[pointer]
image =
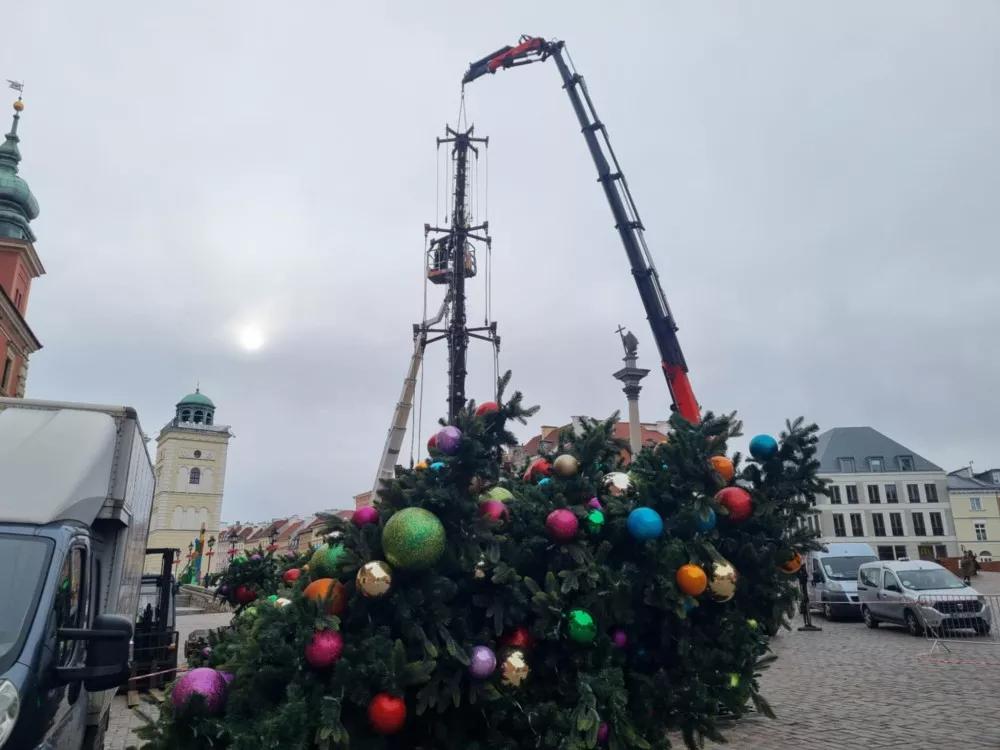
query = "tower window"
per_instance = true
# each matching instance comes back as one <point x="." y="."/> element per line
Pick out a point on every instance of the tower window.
<point x="208" y="418"/>
<point x="197" y="454"/>
<point x="195" y="477"/>
<point x="199" y="416"/>
<point x="186" y="416"/>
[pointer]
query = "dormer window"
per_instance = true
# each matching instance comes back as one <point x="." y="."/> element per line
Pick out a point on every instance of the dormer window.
<point x="847" y="465"/>
<point x="996" y="477"/>
<point x="905" y="463"/>
<point x="876" y="464"/>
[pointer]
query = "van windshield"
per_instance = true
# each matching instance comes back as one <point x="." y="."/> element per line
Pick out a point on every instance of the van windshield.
<point x="23" y="562"/>
<point x="927" y="580"/>
<point x="845" y="568"/>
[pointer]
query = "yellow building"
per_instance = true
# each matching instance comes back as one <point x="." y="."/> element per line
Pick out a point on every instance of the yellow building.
<point x="191" y="452"/>
<point x="975" y="506"/>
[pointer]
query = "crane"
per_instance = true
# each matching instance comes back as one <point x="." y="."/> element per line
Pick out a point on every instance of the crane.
<point x="630" y="228"/>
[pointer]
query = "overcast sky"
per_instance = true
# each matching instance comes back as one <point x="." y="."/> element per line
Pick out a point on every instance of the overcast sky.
<point x="819" y="181"/>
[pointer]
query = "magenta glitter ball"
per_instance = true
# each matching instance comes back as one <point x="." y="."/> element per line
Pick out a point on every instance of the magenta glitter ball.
<point x="228" y="677"/>
<point x="594" y="503"/>
<point x="620" y="639"/>
<point x="562" y="525"/>
<point x="324" y="649"/>
<point x="364" y="516"/>
<point x="255" y="557"/>
<point x="493" y="510"/>
<point x="482" y="662"/>
<point x="208" y="683"/>
<point x="602" y="733"/>
<point x="448" y="439"/>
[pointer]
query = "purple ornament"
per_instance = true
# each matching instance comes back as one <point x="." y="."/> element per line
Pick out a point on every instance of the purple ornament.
<point x="208" y="683"/>
<point x="603" y="732"/>
<point x="255" y="557"/>
<point x="594" y="503"/>
<point x="620" y="639"/>
<point x="562" y="525"/>
<point x="448" y="439"/>
<point x="365" y="516"/>
<point x="291" y="553"/>
<point x="482" y="662"/>
<point x="324" y="649"/>
<point x="223" y="588"/>
<point x="228" y="677"/>
<point x="206" y="652"/>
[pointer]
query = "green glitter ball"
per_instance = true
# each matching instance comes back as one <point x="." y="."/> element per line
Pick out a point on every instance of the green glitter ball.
<point x="501" y="494"/>
<point x="413" y="539"/>
<point x="272" y="598"/>
<point x="325" y="561"/>
<point x="240" y="559"/>
<point x="582" y="627"/>
<point x="594" y="521"/>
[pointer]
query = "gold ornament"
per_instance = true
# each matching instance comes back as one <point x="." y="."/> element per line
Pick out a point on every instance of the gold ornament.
<point x="420" y="465"/>
<point x="565" y="465"/>
<point x="374" y="579"/>
<point x="722" y="582"/>
<point x="282" y="602"/>
<point x="617" y="482"/>
<point x="514" y="667"/>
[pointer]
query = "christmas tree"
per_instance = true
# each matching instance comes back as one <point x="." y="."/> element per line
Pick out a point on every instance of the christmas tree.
<point x="575" y="604"/>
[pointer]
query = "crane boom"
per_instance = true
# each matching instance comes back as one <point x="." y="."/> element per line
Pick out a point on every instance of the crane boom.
<point x="401" y="415"/>
<point x="616" y="190"/>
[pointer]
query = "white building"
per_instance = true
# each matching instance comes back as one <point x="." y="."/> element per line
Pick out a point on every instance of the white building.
<point x="884" y="494"/>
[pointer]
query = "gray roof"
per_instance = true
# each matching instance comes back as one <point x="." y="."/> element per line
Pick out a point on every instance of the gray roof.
<point x="957" y="482"/>
<point x="862" y="443"/>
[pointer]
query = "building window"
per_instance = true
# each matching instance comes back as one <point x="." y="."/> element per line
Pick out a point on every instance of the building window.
<point x="195" y="477"/>
<point x="199" y="416"/>
<point x="847" y="465"/>
<point x="930" y="490"/>
<point x="876" y="464"/>
<point x="8" y="368"/>
<point x="905" y="463"/>
<point x="878" y="523"/>
<point x="918" y="525"/>
<point x="852" y="494"/>
<point x="913" y="493"/>
<point x="896" y="524"/>
<point x="981" y="532"/>
<point x="186" y="415"/>
<point x="975" y="503"/>
<point x="901" y="551"/>
<point x="937" y="524"/>
<point x="835" y="494"/>
<point x="857" y="529"/>
<point x="891" y="496"/>
<point x="838" y="525"/>
<point x="996" y="477"/>
<point x="873" y="494"/>
<point x="941" y="550"/>
<point x="885" y="553"/>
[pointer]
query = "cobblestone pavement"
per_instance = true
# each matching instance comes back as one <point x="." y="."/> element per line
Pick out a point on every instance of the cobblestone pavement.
<point x="844" y="688"/>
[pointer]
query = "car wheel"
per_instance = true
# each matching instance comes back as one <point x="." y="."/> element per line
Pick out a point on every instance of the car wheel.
<point x="870" y="620"/>
<point x="982" y="628"/>
<point x="828" y="612"/>
<point x="912" y="623"/>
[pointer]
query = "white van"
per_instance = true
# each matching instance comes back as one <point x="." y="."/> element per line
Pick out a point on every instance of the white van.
<point x="920" y="594"/>
<point x="833" y="578"/>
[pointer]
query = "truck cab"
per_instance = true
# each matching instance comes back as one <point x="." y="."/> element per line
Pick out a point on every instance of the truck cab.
<point x="75" y="505"/>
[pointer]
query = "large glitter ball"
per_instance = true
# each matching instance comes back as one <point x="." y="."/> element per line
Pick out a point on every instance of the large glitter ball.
<point x="448" y="439"/>
<point x="562" y="525"/>
<point x="482" y="662"/>
<point x="374" y="579"/>
<point x="206" y="682"/>
<point x="722" y="582"/>
<point x="325" y="561"/>
<point x="565" y="465"/>
<point x="413" y="539"/>
<point x="324" y="649"/>
<point x="514" y="668"/>
<point x="582" y="627"/>
<point x="617" y="482"/>
<point x="364" y="516"/>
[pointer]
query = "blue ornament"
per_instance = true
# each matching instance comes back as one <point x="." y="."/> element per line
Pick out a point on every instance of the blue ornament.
<point x="644" y="523"/>
<point x="665" y="467"/>
<point x="544" y="480"/>
<point x="763" y="447"/>
<point x="437" y="465"/>
<point x="706" y="523"/>
<point x="689" y="603"/>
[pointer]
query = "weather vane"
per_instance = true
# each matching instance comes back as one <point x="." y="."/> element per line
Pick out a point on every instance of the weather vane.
<point x="18" y="86"/>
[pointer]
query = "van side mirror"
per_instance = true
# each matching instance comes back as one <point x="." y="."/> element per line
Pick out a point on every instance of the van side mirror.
<point x="107" y="654"/>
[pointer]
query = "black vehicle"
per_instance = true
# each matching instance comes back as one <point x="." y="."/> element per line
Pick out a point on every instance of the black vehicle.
<point x="155" y="650"/>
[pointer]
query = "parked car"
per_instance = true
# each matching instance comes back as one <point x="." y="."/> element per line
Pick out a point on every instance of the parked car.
<point x="833" y="578"/>
<point x="920" y="595"/>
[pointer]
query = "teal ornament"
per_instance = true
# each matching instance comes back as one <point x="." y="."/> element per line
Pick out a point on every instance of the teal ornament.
<point x="437" y="465"/>
<point x="644" y="523"/>
<point x="582" y="628"/>
<point x="763" y="447"/>
<point x="706" y="523"/>
<point x="594" y="521"/>
<point x="544" y="480"/>
<point x="413" y="539"/>
<point x="665" y="467"/>
<point x="689" y="603"/>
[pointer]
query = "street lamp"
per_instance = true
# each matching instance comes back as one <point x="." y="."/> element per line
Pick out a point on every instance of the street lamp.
<point x="273" y="536"/>
<point x="211" y="551"/>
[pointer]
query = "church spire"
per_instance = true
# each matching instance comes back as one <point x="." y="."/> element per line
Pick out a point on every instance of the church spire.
<point x="18" y="206"/>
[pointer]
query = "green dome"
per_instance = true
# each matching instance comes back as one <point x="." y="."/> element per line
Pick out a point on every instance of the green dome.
<point x="196" y="399"/>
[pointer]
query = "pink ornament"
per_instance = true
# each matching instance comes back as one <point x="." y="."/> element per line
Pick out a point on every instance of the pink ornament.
<point x="493" y="510"/>
<point x="365" y="516"/>
<point x="603" y="732"/>
<point x="228" y="677"/>
<point x="324" y="649"/>
<point x="594" y="503"/>
<point x="620" y="639"/>
<point x="208" y="683"/>
<point x="562" y="525"/>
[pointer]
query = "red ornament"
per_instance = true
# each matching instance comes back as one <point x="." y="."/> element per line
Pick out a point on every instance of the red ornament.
<point x="493" y="510"/>
<point x="292" y="575"/>
<point x="245" y="595"/>
<point x="386" y="714"/>
<point x="538" y="466"/>
<point x="432" y="443"/>
<point x="487" y="407"/>
<point x="324" y="649"/>
<point x="737" y="501"/>
<point x="519" y="637"/>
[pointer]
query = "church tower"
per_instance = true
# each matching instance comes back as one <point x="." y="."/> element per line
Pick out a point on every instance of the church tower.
<point x="19" y="264"/>
<point x="191" y="453"/>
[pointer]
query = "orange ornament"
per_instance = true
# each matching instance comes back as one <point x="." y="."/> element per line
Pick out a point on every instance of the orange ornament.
<point x="792" y="566"/>
<point x="331" y="590"/>
<point x="691" y="579"/>
<point x="724" y="466"/>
